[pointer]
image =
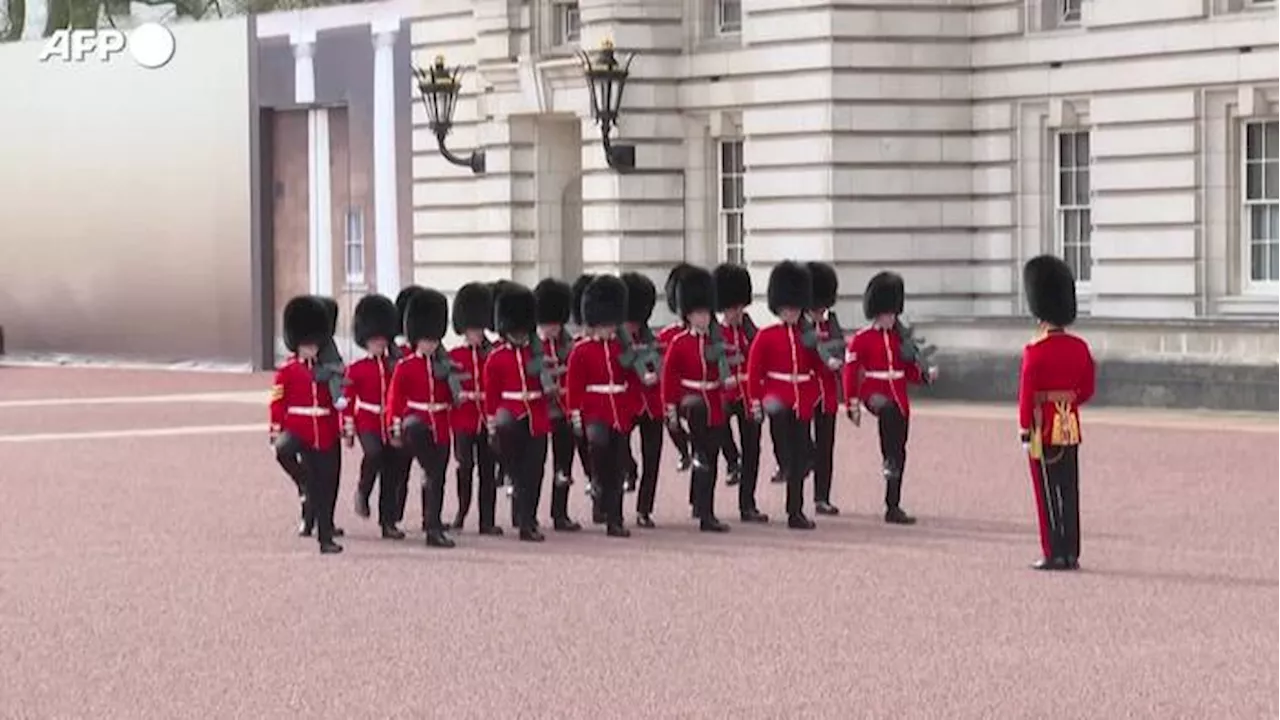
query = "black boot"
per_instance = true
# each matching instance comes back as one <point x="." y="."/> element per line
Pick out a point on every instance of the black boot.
<point x="330" y="548"/>
<point x="391" y="532"/>
<point x="617" y="530"/>
<point x="645" y="520"/>
<point x="798" y="521"/>
<point x="437" y="539"/>
<point x="565" y="524"/>
<point x="685" y="462"/>
<point x="362" y="503"/>
<point x="733" y="475"/>
<point x="1049" y="564"/>
<point x="823" y="507"/>
<point x="491" y="530"/>
<point x="531" y="534"/>
<point x="306" y="523"/>
<point x="893" y="512"/>
<point x="753" y="516"/>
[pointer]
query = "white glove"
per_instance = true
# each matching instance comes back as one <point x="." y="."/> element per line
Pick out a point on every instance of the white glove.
<point x="649" y="379"/>
<point x="931" y="375"/>
<point x="341" y="403"/>
<point x="834" y="363"/>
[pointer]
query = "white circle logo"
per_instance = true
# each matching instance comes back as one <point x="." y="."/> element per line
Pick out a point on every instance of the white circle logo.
<point x="151" y="45"/>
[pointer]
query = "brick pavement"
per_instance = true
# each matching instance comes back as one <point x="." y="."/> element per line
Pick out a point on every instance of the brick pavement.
<point x="148" y="570"/>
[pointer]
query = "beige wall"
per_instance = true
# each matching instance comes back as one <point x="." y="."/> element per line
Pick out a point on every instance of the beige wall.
<point x="127" y="201"/>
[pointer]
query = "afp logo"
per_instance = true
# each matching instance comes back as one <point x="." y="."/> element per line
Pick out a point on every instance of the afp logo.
<point x="150" y="44"/>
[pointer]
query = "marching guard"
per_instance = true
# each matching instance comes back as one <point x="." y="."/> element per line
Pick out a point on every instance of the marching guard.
<point x="472" y="314"/>
<point x="552" y="304"/>
<point x="577" y="290"/>
<point x="643" y="356"/>
<point x="827" y="337"/>
<point x="516" y="406"/>
<point x="876" y="375"/>
<point x="303" y="415"/>
<point x="364" y="418"/>
<point x="600" y="396"/>
<point x="782" y="382"/>
<point x="733" y="295"/>
<point x="679" y="438"/>
<point x="420" y="399"/>
<point x="1057" y="377"/>
<point x="402" y="344"/>
<point x="694" y="371"/>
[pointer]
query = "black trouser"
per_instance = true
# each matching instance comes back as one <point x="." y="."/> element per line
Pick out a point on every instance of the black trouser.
<point x="322" y="468"/>
<point x="472" y="450"/>
<point x="433" y="456"/>
<point x="1060" y="516"/>
<point x="680" y="439"/>
<point x="824" y="441"/>
<point x="792" y="445"/>
<point x="705" y="443"/>
<point x="288" y="447"/>
<point x="404" y="468"/>
<point x="894" y="427"/>
<point x="748" y="462"/>
<point x="650" y="456"/>
<point x="525" y="456"/>
<point x="607" y="453"/>
<point x="381" y="464"/>
<point x="562" y="449"/>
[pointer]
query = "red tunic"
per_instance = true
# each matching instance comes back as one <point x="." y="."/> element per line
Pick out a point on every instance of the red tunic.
<point x="468" y="415"/>
<point x="650" y="396"/>
<point x="781" y="366"/>
<point x="686" y="371"/>
<point x="368" y="381"/>
<point x="303" y="407"/>
<point x="737" y="343"/>
<point x="507" y="386"/>
<point x="1057" y="378"/>
<point x="873" y="365"/>
<point x="551" y="361"/>
<point x="417" y="390"/>
<point x="828" y="379"/>
<point x="667" y="334"/>
<point x="598" y="388"/>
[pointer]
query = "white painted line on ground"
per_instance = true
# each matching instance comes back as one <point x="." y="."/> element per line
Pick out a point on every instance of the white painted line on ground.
<point x="255" y="397"/>
<point x="138" y="433"/>
<point x="1154" y="418"/>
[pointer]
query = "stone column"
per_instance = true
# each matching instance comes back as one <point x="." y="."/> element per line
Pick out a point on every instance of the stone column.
<point x="304" y="69"/>
<point x="386" y="225"/>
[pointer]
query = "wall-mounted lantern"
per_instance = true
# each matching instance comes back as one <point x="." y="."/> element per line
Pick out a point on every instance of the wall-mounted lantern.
<point x="438" y="87"/>
<point x="606" y="79"/>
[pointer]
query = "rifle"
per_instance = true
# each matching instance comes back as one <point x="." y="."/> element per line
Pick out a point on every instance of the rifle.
<point x="915" y="349"/>
<point x="716" y="352"/>
<point x="642" y="356"/>
<point x="831" y="350"/>
<point x="442" y="366"/>
<point x="548" y="374"/>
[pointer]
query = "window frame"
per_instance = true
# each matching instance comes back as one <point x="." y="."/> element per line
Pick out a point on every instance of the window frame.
<point x="353" y="245"/>
<point x="1245" y="240"/>
<point x="718" y="25"/>
<point x="1070" y="12"/>
<point x="560" y="11"/>
<point x="1060" y="211"/>
<point x="724" y="204"/>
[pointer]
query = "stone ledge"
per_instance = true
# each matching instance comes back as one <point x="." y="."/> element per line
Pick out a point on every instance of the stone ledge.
<point x="1244" y="342"/>
<point x="984" y="376"/>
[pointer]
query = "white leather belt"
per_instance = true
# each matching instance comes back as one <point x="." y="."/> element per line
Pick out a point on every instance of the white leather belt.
<point x="607" y="389"/>
<point x="788" y="377"/>
<point x="367" y="406"/>
<point x="885" y="374"/>
<point x="700" y="384"/>
<point x="521" y="395"/>
<point x="309" y="410"/>
<point x="427" y="407"/>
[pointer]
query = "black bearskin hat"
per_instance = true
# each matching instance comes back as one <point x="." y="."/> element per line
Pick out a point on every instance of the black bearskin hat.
<point x="696" y="291"/>
<point x="374" y="317"/>
<point x="306" y="320"/>
<point x="472" y="307"/>
<point x="671" y="288"/>
<point x="515" y="310"/>
<point x="885" y="294"/>
<point x="427" y="316"/>
<point x="579" y="288"/>
<point x="642" y="296"/>
<point x="1051" y="290"/>
<point x="790" y="286"/>
<point x="733" y="286"/>
<point x="496" y="288"/>
<point x="552" y="299"/>
<point x="826" y="285"/>
<point x="402" y="303"/>
<point x="331" y="311"/>
<point x="604" y="301"/>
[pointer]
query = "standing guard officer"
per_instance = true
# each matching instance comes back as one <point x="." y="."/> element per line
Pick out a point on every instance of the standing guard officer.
<point x="1057" y="377"/>
<point x="825" y="335"/>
